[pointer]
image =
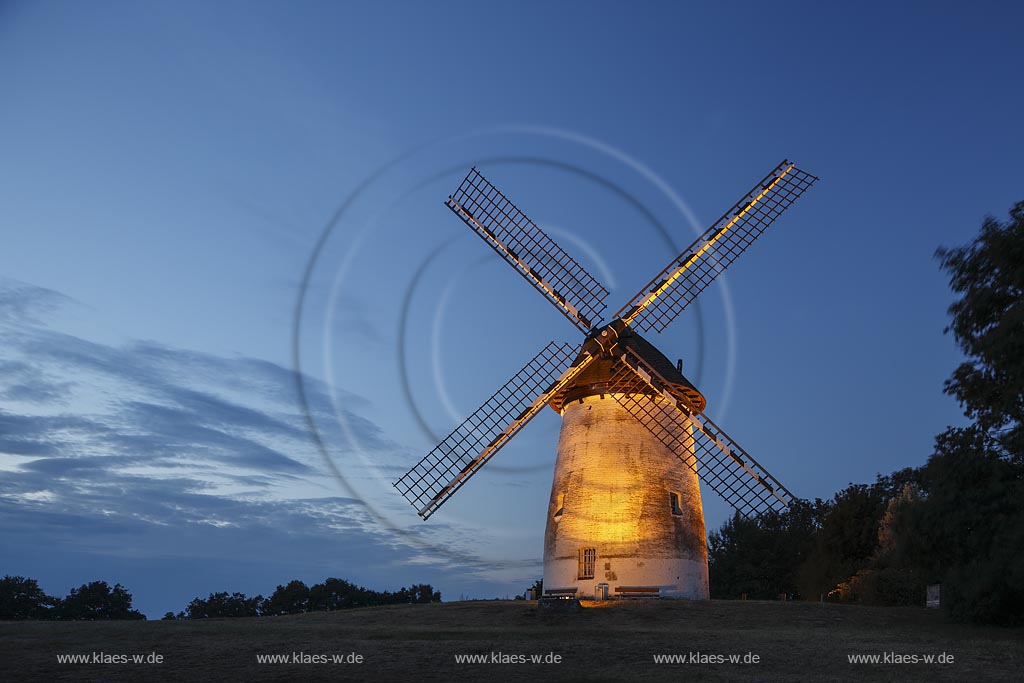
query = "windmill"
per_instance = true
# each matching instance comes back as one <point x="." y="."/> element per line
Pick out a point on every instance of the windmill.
<point x="625" y="513"/>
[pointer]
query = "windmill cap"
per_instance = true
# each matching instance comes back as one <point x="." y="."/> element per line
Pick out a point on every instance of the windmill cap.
<point x="594" y="379"/>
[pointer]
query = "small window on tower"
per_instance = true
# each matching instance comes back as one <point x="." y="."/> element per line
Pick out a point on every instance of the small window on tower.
<point x="673" y="500"/>
<point x="559" y="504"/>
<point x="588" y="561"/>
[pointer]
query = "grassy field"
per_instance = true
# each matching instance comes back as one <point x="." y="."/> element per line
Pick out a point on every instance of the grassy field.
<point x="793" y="641"/>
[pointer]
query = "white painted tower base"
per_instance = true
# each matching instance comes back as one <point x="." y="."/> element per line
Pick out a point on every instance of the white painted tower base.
<point x="624" y="510"/>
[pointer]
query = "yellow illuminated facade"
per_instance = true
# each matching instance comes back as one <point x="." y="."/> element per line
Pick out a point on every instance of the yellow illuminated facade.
<point x="622" y="495"/>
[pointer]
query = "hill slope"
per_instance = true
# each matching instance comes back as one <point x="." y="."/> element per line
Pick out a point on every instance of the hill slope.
<point x="802" y="641"/>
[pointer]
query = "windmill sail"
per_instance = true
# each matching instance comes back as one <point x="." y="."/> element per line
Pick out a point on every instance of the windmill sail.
<point x="667" y="409"/>
<point x="675" y="287"/>
<point x="463" y="452"/>
<point x="722" y="464"/>
<point x="529" y="250"/>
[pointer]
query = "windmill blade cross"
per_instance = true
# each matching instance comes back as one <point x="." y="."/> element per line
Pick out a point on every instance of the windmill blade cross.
<point x="720" y="462"/>
<point x="675" y="287"/>
<point x="528" y="249"/>
<point x="460" y="455"/>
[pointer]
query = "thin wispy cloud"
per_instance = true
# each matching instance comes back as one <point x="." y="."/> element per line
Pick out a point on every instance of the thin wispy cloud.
<point x="142" y="450"/>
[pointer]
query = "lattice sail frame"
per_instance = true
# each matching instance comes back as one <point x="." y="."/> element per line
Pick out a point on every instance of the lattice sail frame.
<point x="460" y="455"/>
<point x="690" y="273"/>
<point x="528" y="249"/>
<point x="728" y="469"/>
<point x="721" y="463"/>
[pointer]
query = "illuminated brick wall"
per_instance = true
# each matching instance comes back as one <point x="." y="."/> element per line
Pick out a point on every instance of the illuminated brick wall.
<point x="613" y="481"/>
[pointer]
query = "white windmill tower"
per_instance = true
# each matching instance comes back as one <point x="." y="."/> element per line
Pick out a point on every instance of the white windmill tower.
<point x="625" y="516"/>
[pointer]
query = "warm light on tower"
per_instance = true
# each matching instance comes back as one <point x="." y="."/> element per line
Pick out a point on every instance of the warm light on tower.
<point x="624" y="496"/>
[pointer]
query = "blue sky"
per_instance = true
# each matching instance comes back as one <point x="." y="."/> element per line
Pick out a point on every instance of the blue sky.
<point x="168" y="169"/>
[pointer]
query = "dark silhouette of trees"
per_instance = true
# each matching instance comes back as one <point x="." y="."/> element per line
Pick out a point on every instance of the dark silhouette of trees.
<point x="335" y="594"/>
<point x="296" y="598"/>
<point x="988" y="326"/>
<point x="967" y="533"/>
<point x="959" y="519"/>
<point x="290" y="599"/>
<point x="22" y="598"/>
<point x="421" y="594"/>
<point x="220" y="605"/>
<point x="887" y="576"/>
<point x="762" y="557"/>
<point x="848" y="535"/>
<point x="97" y="600"/>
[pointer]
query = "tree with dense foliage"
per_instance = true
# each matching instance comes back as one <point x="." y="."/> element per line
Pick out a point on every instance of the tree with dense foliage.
<point x="290" y="599"/>
<point x="761" y="557"/>
<point x="422" y="593"/>
<point x="889" y="576"/>
<point x="988" y="325"/>
<point x="97" y="600"/>
<point x="847" y="538"/>
<point x="335" y="594"/>
<point x="22" y="598"/>
<point x="223" y="604"/>
<point x="968" y="532"/>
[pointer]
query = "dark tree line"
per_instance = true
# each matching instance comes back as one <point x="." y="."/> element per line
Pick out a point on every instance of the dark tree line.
<point x="22" y="598"/>
<point x="811" y="549"/>
<point x="958" y="520"/>
<point x="296" y="597"/>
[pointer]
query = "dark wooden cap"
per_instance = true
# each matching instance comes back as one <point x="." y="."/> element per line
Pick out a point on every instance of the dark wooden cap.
<point x="595" y="377"/>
